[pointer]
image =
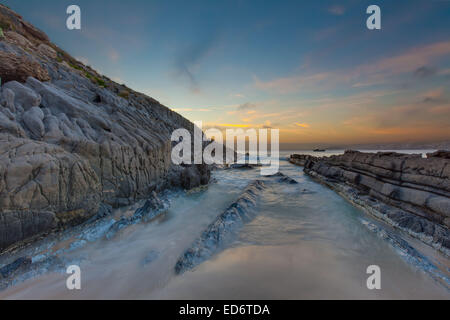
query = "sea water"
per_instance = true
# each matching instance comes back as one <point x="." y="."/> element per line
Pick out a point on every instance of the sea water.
<point x="306" y="242"/>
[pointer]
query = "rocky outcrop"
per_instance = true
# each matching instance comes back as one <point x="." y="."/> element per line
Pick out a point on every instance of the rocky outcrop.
<point x="406" y="190"/>
<point x="72" y="141"/>
<point x="14" y="267"/>
<point x="439" y="154"/>
<point x="281" y="177"/>
<point x="300" y="159"/>
<point x="211" y="240"/>
<point x="14" y="67"/>
<point x="150" y="210"/>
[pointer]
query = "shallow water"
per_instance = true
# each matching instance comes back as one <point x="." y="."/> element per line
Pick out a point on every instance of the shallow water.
<point x="305" y="242"/>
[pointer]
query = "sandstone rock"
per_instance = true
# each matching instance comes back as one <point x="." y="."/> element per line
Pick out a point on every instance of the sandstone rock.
<point x="47" y="51"/>
<point x="19" y="68"/>
<point x="18" y="39"/>
<point x="14" y="21"/>
<point x="34" y="32"/>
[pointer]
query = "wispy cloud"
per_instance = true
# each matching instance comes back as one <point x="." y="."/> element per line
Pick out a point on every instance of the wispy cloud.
<point x="293" y="83"/>
<point x="425" y="72"/>
<point x="336" y="10"/>
<point x="191" y="109"/>
<point x="434" y="96"/>
<point x="302" y="125"/>
<point x="188" y="61"/>
<point x="246" y="106"/>
<point x="83" y="60"/>
<point x="113" y="55"/>
<point x="234" y="125"/>
<point x="410" y="61"/>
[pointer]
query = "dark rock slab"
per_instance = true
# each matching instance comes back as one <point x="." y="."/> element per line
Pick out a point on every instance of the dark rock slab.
<point x="150" y="210"/>
<point x="13" y="267"/>
<point x="281" y="177"/>
<point x="211" y="240"/>
<point x="300" y="159"/>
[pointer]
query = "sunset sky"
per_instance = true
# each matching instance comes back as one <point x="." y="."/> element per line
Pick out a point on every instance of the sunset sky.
<point x="309" y="68"/>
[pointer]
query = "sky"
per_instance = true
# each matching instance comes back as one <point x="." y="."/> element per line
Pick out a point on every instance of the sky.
<point x="311" y="69"/>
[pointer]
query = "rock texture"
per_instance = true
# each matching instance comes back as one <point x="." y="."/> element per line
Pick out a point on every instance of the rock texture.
<point x="15" y="67"/>
<point x="300" y="159"/>
<point x="281" y="177"/>
<point x="406" y="190"/>
<point x="72" y="140"/>
<point x="214" y="236"/>
<point x="13" y="267"/>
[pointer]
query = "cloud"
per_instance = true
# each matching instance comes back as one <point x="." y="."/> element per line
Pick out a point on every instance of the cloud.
<point x="222" y="126"/>
<point x="189" y="60"/>
<point x="364" y="84"/>
<point x="427" y="114"/>
<point x="411" y="59"/>
<point x="336" y="10"/>
<point x="243" y="109"/>
<point x="424" y="72"/>
<point x="369" y="74"/>
<point x="267" y="125"/>
<point x="326" y="33"/>
<point x="234" y="125"/>
<point x="246" y="106"/>
<point x="83" y="60"/>
<point x="445" y="72"/>
<point x="113" y="55"/>
<point x="434" y="96"/>
<point x="292" y="84"/>
<point x="191" y="109"/>
<point x="302" y="125"/>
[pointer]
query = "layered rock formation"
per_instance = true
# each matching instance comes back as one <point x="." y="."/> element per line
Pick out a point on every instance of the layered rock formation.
<point x="406" y="190"/>
<point x="211" y="240"/>
<point x="300" y="159"/>
<point x="72" y="140"/>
